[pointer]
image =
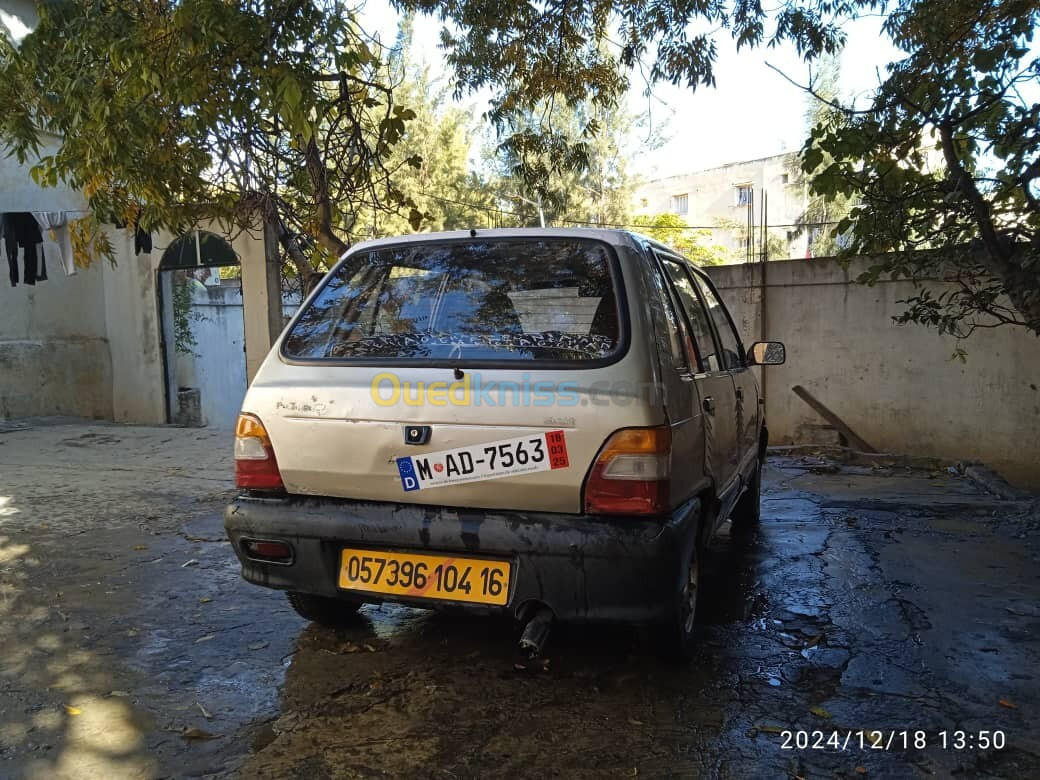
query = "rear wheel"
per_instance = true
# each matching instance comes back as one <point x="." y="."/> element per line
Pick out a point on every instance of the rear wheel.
<point x="681" y="631"/>
<point x="748" y="511"/>
<point x="322" y="609"/>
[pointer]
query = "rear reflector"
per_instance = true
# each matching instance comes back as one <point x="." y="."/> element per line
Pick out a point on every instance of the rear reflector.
<point x="630" y="475"/>
<point x="264" y="550"/>
<point x="256" y="467"/>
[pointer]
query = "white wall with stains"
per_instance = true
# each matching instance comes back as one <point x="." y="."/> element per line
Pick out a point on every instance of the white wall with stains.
<point x="896" y="386"/>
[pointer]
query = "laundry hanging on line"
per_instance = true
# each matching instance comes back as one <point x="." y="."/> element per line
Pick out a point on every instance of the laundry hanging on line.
<point x="21" y="231"/>
<point x="57" y="222"/>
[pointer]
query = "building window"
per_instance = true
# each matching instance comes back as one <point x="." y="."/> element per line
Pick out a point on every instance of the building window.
<point x="681" y="203"/>
<point x="785" y="178"/>
<point x="644" y="202"/>
<point x="743" y="193"/>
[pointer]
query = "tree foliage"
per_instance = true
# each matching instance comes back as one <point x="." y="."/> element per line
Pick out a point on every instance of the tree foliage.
<point x="945" y="163"/>
<point x="538" y="58"/>
<point x="169" y="113"/>
<point x="443" y="184"/>
<point x="578" y="171"/>
<point x="671" y="230"/>
<point x="822" y="211"/>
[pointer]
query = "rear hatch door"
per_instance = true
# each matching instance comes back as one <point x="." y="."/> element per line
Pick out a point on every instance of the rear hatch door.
<point x="479" y="373"/>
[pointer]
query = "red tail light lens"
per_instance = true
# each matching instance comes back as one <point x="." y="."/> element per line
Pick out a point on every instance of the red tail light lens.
<point x="630" y="475"/>
<point x="256" y="467"/>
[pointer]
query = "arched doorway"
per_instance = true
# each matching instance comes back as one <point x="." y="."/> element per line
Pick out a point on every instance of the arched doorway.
<point x="200" y="299"/>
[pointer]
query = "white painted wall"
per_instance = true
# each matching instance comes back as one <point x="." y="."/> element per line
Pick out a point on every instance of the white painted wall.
<point x="132" y="324"/>
<point x="54" y="352"/>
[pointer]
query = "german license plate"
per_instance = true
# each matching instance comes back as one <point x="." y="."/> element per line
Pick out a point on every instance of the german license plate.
<point x="425" y="576"/>
<point x="490" y="460"/>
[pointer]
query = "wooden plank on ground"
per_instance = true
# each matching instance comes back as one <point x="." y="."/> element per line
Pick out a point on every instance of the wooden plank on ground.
<point x="833" y="419"/>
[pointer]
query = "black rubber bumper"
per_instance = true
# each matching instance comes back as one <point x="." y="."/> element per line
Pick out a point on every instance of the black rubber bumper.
<point x="583" y="568"/>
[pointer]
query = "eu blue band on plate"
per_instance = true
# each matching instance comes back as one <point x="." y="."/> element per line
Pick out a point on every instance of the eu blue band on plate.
<point x="407" y="470"/>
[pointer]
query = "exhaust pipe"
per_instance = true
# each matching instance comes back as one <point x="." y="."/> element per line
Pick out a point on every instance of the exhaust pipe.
<point x="536" y="632"/>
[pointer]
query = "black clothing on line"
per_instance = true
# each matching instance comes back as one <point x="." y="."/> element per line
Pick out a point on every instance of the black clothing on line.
<point x="21" y="229"/>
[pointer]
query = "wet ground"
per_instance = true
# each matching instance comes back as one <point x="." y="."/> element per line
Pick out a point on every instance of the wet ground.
<point x="873" y="599"/>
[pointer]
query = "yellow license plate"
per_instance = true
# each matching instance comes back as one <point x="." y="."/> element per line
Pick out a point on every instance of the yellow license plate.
<point x="425" y="576"/>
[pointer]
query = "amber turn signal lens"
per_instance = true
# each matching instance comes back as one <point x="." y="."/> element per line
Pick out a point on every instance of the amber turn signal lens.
<point x="256" y="467"/>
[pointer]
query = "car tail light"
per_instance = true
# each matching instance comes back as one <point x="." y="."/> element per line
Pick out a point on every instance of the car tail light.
<point x="630" y="475"/>
<point x="255" y="465"/>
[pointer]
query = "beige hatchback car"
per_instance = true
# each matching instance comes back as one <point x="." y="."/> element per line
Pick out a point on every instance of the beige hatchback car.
<point x="550" y="423"/>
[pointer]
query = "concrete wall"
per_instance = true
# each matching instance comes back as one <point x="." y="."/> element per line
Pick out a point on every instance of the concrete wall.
<point x="896" y="386"/>
<point x="712" y="196"/>
<point x="54" y="352"/>
<point x="54" y="356"/>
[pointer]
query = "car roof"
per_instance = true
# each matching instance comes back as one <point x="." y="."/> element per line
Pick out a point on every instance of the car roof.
<point x="609" y="235"/>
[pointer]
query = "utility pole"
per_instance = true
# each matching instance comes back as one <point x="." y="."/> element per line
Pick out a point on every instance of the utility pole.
<point x="538" y="205"/>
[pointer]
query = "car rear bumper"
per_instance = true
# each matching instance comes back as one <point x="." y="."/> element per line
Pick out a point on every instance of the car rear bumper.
<point x="583" y="568"/>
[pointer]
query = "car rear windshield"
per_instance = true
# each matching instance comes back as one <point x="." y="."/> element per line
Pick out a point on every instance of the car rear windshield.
<point x="521" y="300"/>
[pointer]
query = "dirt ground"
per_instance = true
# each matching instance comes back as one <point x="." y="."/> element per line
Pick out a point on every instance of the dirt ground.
<point x="873" y="598"/>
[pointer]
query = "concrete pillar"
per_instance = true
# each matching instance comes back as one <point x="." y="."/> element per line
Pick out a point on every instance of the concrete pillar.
<point x="133" y="327"/>
<point x="261" y="294"/>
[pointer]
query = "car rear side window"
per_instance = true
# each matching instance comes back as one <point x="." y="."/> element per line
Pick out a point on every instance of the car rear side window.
<point x="732" y="353"/>
<point x="695" y="313"/>
<point x="518" y="300"/>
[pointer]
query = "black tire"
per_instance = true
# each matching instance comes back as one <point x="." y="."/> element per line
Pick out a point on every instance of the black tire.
<point x="679" y="640"/>
<point x="323" y="610"/>
<point x="748" y="510"/>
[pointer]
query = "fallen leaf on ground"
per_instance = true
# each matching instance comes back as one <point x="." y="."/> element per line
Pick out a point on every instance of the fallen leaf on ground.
<point x="192" y="562"/>
<point x="635" y="722"/>
<point x="1009" y="704"/>
<point x="819" y="712"/>
<point x="205" y="600"/>
<point x="120" y="694"/>
<point x="258" y="645"/>
<point x="202" y="709"/>
<point x="369" y="648"/>
<point x="140" y="546"/>
<point x="813" y="641"/>
<point x="193" y="732"/>
<point x="73" y="710"/>
<point x="861" y="770"/>
<point x="205" y="638"/>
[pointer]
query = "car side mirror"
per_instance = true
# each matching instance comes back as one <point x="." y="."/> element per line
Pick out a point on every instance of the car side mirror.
<point x="767" y="353"/>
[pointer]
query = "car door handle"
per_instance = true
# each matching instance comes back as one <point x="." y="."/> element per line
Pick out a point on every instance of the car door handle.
<point x="709" y="404"/>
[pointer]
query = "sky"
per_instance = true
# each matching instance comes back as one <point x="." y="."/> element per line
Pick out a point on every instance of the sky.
<point x="752" y="111"/>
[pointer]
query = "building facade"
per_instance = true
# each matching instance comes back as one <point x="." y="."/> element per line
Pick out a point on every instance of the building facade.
<point x="717" y="201"/>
